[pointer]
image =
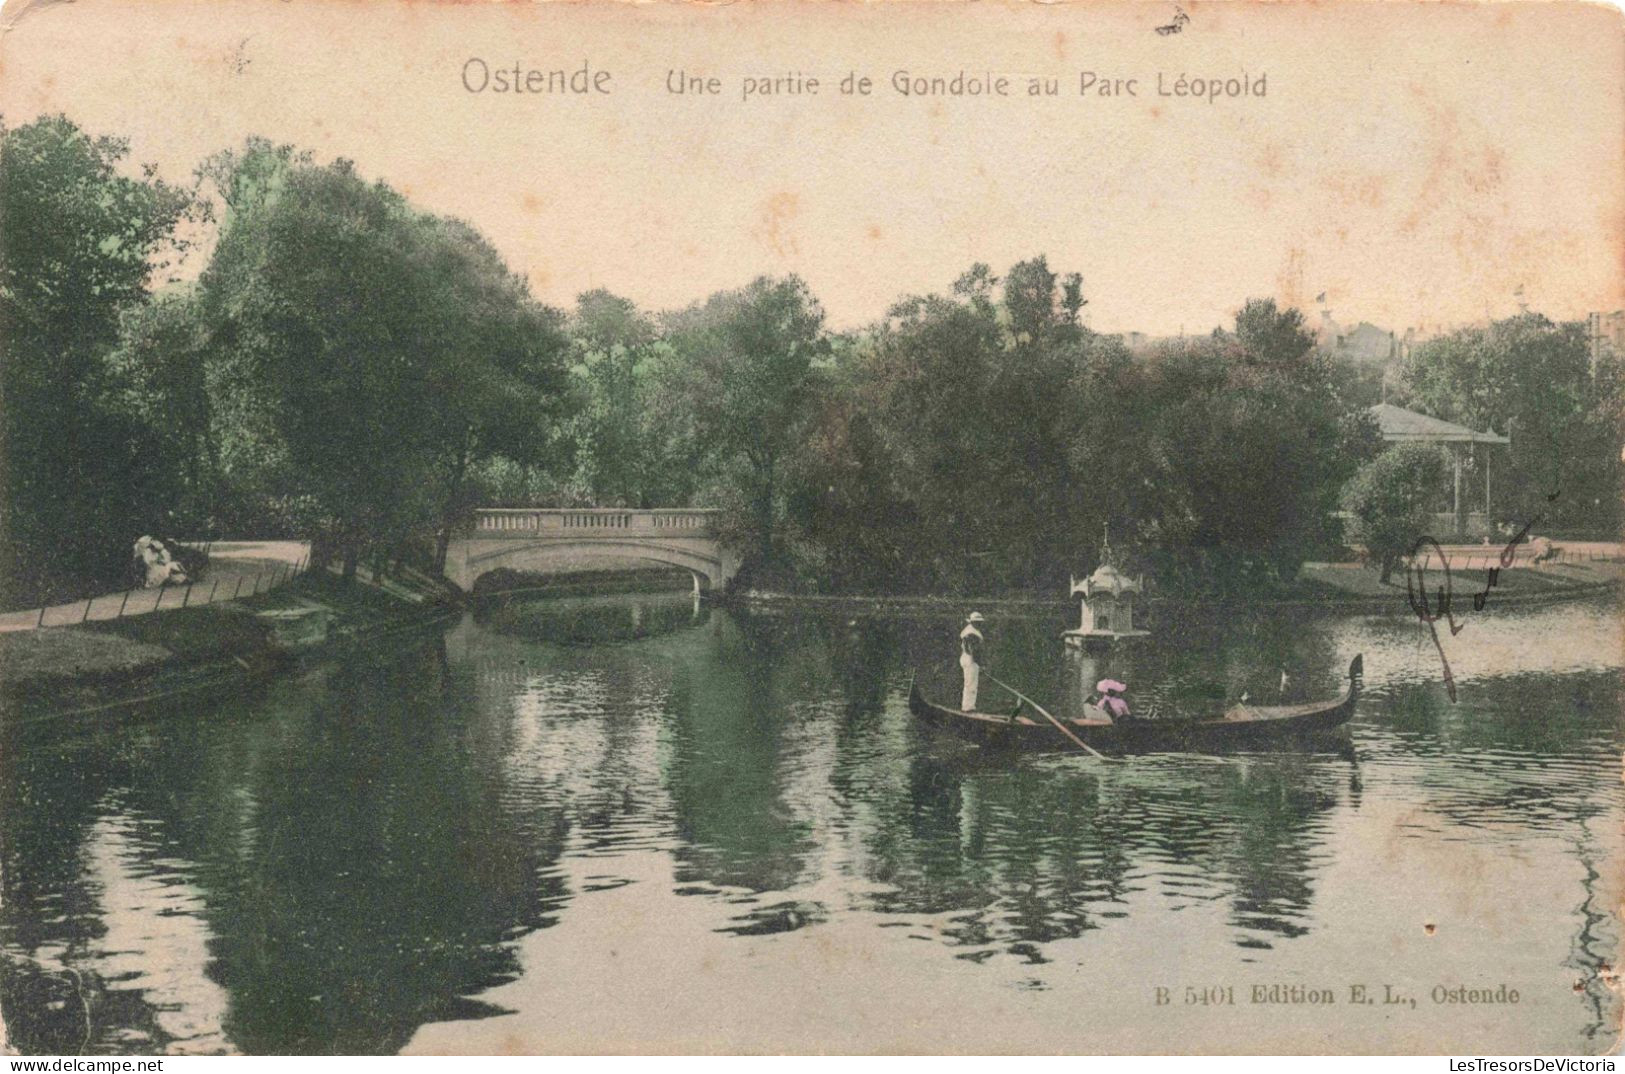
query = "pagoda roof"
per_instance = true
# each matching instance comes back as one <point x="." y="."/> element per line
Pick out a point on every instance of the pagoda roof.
<point x="1106" y="579"/>
<point x="1407" y="426"/>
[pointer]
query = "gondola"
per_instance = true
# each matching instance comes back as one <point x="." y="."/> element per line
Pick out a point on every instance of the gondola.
<point x="1241" y="725"/>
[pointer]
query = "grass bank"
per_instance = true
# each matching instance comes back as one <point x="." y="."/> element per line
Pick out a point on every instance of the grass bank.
<point x="1351" y="585"/>
<point x="102" y="664"/>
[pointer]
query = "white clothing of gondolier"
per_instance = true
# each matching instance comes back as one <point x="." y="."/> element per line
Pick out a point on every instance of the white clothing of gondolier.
<point x="970" y="660"/>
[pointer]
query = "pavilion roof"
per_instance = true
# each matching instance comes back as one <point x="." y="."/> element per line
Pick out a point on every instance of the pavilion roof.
<point x="1407" y="426"/>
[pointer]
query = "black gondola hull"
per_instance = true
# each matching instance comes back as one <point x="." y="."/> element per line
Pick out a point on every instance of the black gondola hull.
<point x="1241" y="726"/>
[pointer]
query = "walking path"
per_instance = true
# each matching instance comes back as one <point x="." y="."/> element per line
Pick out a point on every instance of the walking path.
<point x="236" y="568"/>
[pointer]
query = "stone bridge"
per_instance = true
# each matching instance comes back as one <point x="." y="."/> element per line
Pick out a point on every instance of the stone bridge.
<point x="542" y="540"/>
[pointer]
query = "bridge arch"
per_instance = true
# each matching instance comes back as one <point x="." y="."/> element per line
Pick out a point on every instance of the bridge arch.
<point x="545" y="539"/>
<point x="544" y="555"/>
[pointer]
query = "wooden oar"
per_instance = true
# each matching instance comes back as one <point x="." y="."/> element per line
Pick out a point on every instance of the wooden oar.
<point x="1059" y="726"/>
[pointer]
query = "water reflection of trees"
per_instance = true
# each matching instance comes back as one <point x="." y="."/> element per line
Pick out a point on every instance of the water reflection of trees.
<point x="1277" y="811"/>
<point x="366" y="841"/>
<point x="1236" y="651"/>
<point x="50" y="798"/>
<point x="1035" y="851"/>
<point x="592" y="620"/>
<point x="727" y="702"/>
<point x="358" y="873"/>
<point x="389" y="880"/>
<point x="1523" y="751"/>
<point x="1030" y="851"/>
<point x="1020" y="852"/>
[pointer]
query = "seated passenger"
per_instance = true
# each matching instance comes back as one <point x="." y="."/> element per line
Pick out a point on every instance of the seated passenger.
<point x="1112" y="702"/>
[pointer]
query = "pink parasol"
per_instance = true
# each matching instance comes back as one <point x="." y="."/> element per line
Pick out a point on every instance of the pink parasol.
<point x="1108" y="685"/>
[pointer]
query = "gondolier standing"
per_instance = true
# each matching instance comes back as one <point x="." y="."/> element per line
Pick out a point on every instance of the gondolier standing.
<point x="970" y="659"/>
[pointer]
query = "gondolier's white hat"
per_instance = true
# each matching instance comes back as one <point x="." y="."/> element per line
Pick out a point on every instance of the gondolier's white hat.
<point x="975" y="617"/>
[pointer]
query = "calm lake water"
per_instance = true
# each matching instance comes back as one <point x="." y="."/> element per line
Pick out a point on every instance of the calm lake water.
<point x="633" y="823"/>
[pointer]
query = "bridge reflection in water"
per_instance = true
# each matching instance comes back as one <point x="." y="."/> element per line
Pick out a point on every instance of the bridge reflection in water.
<point x="577" y="620"/>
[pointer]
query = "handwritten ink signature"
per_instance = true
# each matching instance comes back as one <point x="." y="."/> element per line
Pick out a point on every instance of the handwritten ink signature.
<point x="1416" y="589"/>
<point x="1178" y="23"/>
<point x="1416" y="593"/>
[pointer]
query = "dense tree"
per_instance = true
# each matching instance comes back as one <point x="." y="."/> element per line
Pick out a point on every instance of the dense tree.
<point x="158" y="383"/>
<point x="633" y="435"/>
<point x="610" y="345"/>
<point x="388" y="348"/>
<point x="1534" y="381"/>
<point x="899" y="459"/>
<point x="988" y="441"/>
<point x="497" y="366"/>
<point x="80" y="243"/>
<point x="351" y="368"/>
<point x="745" y="375"/>
<point x="1391" y="499"/>
<point x="1255" y="437"/>
<point x="966" y="442"/>
<point x="256" y="491"/>
<point x="313" y="288"/>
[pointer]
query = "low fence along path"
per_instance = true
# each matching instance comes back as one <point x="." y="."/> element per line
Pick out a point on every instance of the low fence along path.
<point x="236" y="569"/>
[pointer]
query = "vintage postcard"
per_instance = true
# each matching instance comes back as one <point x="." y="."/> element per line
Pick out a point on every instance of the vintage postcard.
<point x="811" y="527"/>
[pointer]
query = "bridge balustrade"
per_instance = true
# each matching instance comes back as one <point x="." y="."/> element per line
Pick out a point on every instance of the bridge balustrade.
<point x="526" y="522"/>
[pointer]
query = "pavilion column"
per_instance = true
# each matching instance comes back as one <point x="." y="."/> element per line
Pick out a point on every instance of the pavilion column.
<point x="1461" y="518"/>
<point x="1488" y="518"/>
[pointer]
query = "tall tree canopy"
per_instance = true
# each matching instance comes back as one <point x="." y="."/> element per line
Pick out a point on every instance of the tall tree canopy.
<point x="634" y="444"/>
<point x="388" y="347"/>
<point x="351" y="368"/>
<point x="80" y="243"/>
<point x="1392" y="500"/>
<point x="746" y="361"/>
<point x="1535" y="381"/>
<point x="988" y="440"/>
<point x="967" y="441"/>
<point x="1254" y="435"/>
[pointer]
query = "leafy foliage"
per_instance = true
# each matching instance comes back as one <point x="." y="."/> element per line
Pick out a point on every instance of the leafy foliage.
<point x="944" y="456"/>
<point x="633" y="438"/>
<point x="384" y="349"/>
<point x="1533" y="380"/>
<point x="80" y="243"/>
<point x="1392" y="499"/>
<point x="1253" y="436"/>
<point x="353" y="369"/>
<point x="744" y="365"/>
<point x="988" y="441"/>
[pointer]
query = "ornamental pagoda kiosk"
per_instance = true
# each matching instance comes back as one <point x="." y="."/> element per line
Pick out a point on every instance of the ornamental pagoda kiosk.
<point x="1107" y="598"/>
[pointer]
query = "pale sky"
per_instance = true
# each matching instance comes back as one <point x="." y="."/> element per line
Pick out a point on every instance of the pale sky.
<point x="1418" y="163"/>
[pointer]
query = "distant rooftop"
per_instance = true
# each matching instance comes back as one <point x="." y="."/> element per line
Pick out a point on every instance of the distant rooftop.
<point x="1399" y="424"/>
